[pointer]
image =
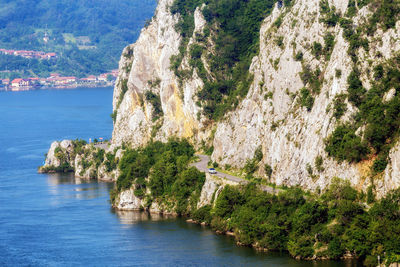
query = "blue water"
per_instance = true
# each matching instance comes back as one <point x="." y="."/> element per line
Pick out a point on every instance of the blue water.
<point x="57" y="220"/>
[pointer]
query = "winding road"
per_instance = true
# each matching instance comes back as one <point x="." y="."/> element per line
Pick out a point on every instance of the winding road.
<point x="202" y="166"/>
<point x="102" y="145"/>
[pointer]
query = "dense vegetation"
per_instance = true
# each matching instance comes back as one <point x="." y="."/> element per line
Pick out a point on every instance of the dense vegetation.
<point x="88" y="35"/>
<point x="378" y="117"/>
<point x="233" y="27"/>
<point x="329" y="225"/>
<point x="305" y="225"/>
<point x="163" y="169"/>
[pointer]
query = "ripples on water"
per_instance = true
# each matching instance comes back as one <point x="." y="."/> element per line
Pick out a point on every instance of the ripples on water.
<point x="60" y="220"/>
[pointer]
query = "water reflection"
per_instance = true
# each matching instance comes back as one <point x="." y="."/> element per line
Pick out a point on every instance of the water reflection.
<point x="65" y="178"/>
<point x="134" y="217"/>
<point x="73" y="187"/>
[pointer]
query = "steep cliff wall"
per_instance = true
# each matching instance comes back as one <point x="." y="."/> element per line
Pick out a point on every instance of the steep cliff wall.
<point x="144" y="68"/>
<point x="300" y="72"/>
<point x="291" y="136"/>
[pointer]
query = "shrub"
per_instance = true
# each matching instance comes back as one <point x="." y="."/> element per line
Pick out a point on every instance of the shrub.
<point x="338" y="73"/>
<point x="344" y="144"/>
<point x="188" y="181"/>
<point x="302" y="247"/>
<point x="279" y="41"/>
<point x="329" y="16"/>
<point x="258" y="155"/>
<point x="340" y="190"/>
<point x="227" y="201"/>
<point x="299" y="56"/>
<point x="203" y="214"/>
<point x="309" y="169"/>
<point x="316" y="50"/>
<point x="268" y="170"/>
<point x="319" y="161"/>
<point x="219" y="224"/>
<point x="339" y="106"/>
<point x="278" y="22"/>
<point x="113" y="195"/>
<point x="98" y="157"/>
<point x="135" y="165"/>
<point x="370" y="195"/>
<point x="250" y="167"/>
<point x="114" y="116"/>
<point x="335" y="249"/>
<point x="306" y="99"/>
<point x="380" y="163"/>
<point x="371" y="261"/>
<point x="139" y="193"/>
<point x="155" y="101"/>
<point x="124" y="89"/>
<point x="329" y="40"/>
<point x="356" y="90"/>
<point x="311" y="78"/>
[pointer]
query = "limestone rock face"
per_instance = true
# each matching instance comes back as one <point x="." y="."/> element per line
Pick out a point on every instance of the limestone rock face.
<point x="391" y="177"/>
<point x="270" y="116"/>
<point x="148" y="69"/>
<point x="211" y="189"/>
<point x="290" y="136"/>
<point x="128" y="201"/>
<point x="65" y="148"/>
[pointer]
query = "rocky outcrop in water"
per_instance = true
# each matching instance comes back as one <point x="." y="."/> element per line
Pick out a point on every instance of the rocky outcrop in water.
<point x="89" y="161"/>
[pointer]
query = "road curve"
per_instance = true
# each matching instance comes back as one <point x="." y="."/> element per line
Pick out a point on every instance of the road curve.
<point x="202" y="166"/>
<point x="102" y="145"/>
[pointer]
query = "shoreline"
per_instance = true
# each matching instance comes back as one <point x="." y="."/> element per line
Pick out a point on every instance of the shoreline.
<point x="36" y="88"/>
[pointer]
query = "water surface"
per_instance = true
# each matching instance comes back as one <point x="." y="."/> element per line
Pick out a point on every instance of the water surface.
<point x="57" y="220"/>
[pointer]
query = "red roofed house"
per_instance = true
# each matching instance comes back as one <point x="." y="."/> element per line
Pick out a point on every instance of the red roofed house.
<point x="51" y="55"/>
<point x="17" y="83"/>
<point x="92" y="78"/>
<point x="103" y="77"/>
<point x="7" y="52"/>
<point x="64" y="80"/>
<point x="34" y="81"/>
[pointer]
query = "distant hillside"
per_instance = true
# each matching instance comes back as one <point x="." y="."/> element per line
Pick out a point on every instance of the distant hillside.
<point x="88" y="35"/>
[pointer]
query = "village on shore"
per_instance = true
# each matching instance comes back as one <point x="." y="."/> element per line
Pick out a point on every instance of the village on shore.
<point x="56" y="81"/>
<point x="29" y="54"/>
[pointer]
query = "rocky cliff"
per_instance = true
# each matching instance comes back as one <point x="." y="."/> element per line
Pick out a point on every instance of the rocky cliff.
<point x="145" y="67"/>
<point x="89" y="161"/>
<point x="213" y="185"/>
<point x="299" y="77"/>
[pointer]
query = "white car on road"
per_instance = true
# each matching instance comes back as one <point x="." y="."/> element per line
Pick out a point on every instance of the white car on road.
<point x="212" y="171"/>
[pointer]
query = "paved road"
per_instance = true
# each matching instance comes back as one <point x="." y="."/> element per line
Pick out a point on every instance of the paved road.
<point x="102" y="145"/>
<point x="202" y="166"/>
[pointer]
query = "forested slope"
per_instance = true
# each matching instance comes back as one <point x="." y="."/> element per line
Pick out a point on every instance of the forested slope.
<point x="88" y="35"/>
